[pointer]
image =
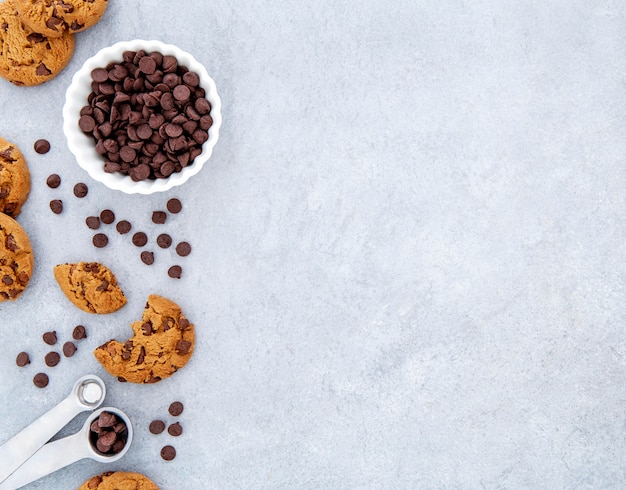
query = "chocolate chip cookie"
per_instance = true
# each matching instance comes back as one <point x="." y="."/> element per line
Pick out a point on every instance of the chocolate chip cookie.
<point x="54" y="18"/>
<point x="26" y="56"/>
<point x="118" y="480"/>
<point x="162" y="343"/>
<point x="16" y="258"/>
<point x="14" y="179"/>
<point x="91" y="286"/>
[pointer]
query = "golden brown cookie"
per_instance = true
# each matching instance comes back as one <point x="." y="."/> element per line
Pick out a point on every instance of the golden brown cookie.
<point x="91" y="286"/>
<point x="162" y="343"/>
<point x="16" y="258"/>
<point x="53" y="18"/>
<point x="119" y="480"/>
<point x="27" y="57"/>
<point x="14" y="179"/>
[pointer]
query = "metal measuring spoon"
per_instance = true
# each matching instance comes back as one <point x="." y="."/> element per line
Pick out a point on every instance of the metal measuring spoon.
<point x="87" y="394"/>
<point x="63" y="452"/>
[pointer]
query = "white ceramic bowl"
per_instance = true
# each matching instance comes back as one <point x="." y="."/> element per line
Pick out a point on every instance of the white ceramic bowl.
<point x="83" y="146"/>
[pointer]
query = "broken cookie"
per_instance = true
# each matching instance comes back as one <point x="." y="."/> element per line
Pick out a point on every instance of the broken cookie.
<point x="91" y="286"/>
<point x="162" y="343"/>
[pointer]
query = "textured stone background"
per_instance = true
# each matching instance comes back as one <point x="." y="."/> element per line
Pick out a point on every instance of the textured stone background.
<point x="408" y="266"/>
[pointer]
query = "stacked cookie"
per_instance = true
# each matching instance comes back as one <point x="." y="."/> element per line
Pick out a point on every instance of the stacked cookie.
<point x="37" y="36"/>
<point x="16" y="253"/>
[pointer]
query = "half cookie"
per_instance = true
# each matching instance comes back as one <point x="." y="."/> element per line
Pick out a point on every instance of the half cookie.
<point x="91" y="286"/>
<point x="162" y="343"/>
<point x="16" y="258"/>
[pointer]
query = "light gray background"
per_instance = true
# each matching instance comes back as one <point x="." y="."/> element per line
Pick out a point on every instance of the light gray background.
<point x="408" y="248"/>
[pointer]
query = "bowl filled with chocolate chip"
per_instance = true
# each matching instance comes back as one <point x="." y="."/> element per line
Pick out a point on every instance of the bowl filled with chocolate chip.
<point x="142" y="116"/>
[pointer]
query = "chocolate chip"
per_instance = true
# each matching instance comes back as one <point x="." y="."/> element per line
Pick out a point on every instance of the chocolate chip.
<point x="41" y="380"/>
<point x="42" y="146"/>
<point x="22" y="359"/>
<point x="175" y="271"/>
<point x="147" y="257"/>
<point x="176" y="408"/>
<point x="53" y="181"/>
<point x="175" y="429"/>
<point x="79" y="333"/>
<point x="50" y="338"/>
<point x="69" y="349"/>
<point x="156" y="426"/>
<point x="123" y="227"/>
<point x="80" y="190"/>
<point x="140" y="239"/>
<point x="52" y="359"/>
<point x="168" y="453"/>
<point x="56" y="206"/>
<point x="87" y="123"/>
<point x="142" y="355"/>
<point x="183" y="249"/>
<point x="107" y="216"/>
<point x="174" y="206"/>
<point x="147" y="328"/>
<point x="159" y="217"/>
<point x="100" y="240"/>
<point x="93" y="222"/>
<point x="99" y="75"/>
<point x="183" y="346"/>
<point x="164" y="240"/>
<point x="107" y="419"/>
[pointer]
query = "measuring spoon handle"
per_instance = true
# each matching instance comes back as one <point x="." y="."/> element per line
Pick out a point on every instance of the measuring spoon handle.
<point x="50" y="458"/>
<point x="23" y="445"/>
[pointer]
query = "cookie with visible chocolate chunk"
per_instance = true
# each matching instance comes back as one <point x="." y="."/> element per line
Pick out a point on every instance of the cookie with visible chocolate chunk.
<point x="162" y="343"/>
<point x="26" y="56"/>
<point x="118" y="480"/>
<point x="91" y="286"/>
<point x="16" y="258"/>
<point x="14" y="179"/>
<point x="53" y="18"/>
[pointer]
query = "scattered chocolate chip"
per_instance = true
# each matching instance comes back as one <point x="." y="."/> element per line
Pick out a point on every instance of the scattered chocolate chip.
<point x="79" y="333"/>
<point x="93" y="222"/>
<point x="175" y="272"/>
<point x="53" y="181"/>
<point x="176" y="408"/>
<point x="123" y="227"/>
<point x="107" y="216"/>
<point x="56" y="205"/>
<point x="175" y="429"/>
<point x="69" y="349"/>
<point x="174" y="206"/>
<point x="80" y="190"/>
<point x="22" y="359"/>
<point x="183" y="249"/>
<point x="42" y="146"/>
<point x="157" y="426"/>
<point x="140" y="239"/>
<point x="41" y="380"/>
<point x="164" y="240"/>
<point x="147" y="257"/>
<point x="100" y="240"/>
<point x="52" y="359"/>
<point x="50" y="338"/>
<point x="159" y="217"/>
<point x="168" y="453"/>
